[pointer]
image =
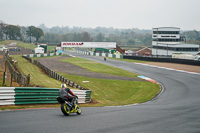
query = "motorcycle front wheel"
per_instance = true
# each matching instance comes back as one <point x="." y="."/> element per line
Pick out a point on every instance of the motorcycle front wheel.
<point x="78" y="110"/>
<point x="65" y="109"/>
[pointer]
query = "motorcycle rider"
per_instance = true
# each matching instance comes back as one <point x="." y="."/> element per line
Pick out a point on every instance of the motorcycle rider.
<point x="67" y="94"/>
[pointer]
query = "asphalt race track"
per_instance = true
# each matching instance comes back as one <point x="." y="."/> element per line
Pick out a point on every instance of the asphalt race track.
<point x="175" y="110"/>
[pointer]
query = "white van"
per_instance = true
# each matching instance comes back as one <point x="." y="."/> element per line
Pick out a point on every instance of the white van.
<point x="39" y="50"/>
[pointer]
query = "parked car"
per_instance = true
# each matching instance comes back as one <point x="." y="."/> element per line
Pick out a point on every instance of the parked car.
<point x="197" y="57"/>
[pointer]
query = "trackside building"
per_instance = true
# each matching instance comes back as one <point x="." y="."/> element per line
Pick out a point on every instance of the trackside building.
<point x="168" y="40"/>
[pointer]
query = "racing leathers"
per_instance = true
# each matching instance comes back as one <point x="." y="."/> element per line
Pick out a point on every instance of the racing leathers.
<point x="67" y="94"/>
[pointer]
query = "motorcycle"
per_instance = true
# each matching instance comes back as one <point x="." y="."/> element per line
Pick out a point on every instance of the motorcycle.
<point x="66" y="106"/>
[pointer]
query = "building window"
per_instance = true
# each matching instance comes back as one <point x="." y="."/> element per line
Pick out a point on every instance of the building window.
<point x="168" y="40"/>
<point x="176" y="49"/>
<point x="165" y="36"/>
<point x="166" y="32"/>
<point x="155" y="32"/>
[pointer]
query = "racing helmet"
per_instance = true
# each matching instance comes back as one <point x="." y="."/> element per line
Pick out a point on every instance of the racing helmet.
<point x="63" y="85"/>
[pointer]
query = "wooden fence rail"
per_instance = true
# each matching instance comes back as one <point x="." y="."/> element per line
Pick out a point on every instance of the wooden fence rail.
<point x="21" y="79"/>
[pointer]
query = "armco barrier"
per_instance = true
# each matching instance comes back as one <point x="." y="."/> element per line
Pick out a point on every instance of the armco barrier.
<point x="99" y="54"/>
<point x="170" y="60"/>
<point x="42" y="55"/>
<point x="33" y="95"/>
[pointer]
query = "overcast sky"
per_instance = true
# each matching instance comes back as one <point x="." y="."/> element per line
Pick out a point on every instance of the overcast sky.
<point x="142" y="14"/>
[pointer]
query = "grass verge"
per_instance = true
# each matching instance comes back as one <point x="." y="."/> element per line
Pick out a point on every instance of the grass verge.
<point x="129" y="60"/>
<point x="19" y="43"/>
<point x="38" y="77"/>
<point x="116" y="92"/>
<point x="105" y="92"/>
<point x="98" y="67"/>
<point x="2" y="43"/>
<point x="13" y="107"/>
<point x="26" y="45"/>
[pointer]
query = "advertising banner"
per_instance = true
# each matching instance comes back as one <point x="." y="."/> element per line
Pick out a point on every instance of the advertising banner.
<point x="89" y="44"/>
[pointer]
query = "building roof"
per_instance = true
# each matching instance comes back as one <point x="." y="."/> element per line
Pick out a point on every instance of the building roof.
<point x="166" y="28"/>
<point x="39" y="48"/>
<point x="141" y="49"/>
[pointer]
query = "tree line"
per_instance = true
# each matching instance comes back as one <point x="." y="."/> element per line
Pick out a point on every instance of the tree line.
<point x="124" y="37"/>
<point x="127" y="37"/>
<point x="15" y="32"/>
<point x="192" y="36"/>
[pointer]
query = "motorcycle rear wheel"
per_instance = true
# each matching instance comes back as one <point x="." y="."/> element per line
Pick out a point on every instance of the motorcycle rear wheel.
<point x="65" y="109"/>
